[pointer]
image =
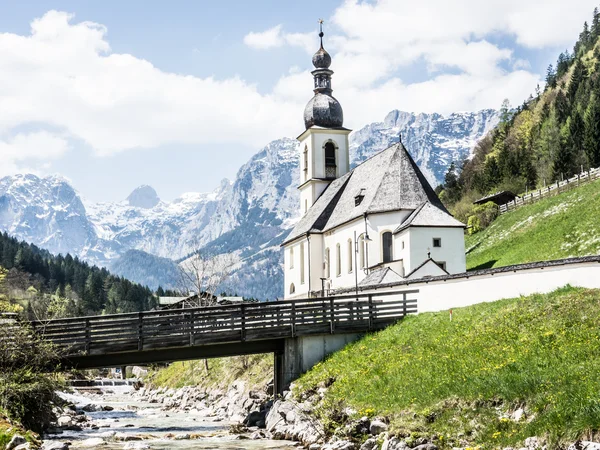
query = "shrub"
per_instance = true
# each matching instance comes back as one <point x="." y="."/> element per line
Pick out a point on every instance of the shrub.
<point x="27" y="391"/>
<point x="482" y="217"/>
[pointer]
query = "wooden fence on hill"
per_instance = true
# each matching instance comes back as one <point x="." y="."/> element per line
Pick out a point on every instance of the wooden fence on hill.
<point x="550" y="190"/>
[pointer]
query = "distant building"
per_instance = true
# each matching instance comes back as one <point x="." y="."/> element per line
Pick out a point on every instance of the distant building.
<point x="196" y="301"/>
<point x="378" y="223"/>
<point x="499" y="198"/>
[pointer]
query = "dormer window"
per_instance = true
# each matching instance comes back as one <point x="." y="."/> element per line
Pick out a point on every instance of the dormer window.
<point x="359" y="197"/>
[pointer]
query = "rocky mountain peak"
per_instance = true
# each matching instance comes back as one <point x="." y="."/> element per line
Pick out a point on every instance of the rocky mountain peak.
<point x="143" y="197"/>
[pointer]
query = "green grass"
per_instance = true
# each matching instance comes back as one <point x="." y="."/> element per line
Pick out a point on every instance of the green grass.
<point x="256" y="370"/>
<point x="556" y="227"/>
<point x="457" y="378"/>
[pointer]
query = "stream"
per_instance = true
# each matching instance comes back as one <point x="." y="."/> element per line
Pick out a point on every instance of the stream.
<point x="137" y="424"/>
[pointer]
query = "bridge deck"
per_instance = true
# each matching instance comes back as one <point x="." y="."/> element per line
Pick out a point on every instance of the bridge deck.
<point x="155" y="336"/>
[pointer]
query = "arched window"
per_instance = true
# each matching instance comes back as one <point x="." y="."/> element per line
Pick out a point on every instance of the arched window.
<point x="292" y="288"/>
<point x="330" y="163"/>
<point x="302" y="263"/>
<point x="327" y="265"/>
<point x="361" y="252"/>
<point x="338" y="260"/>
<point x="387" y="242"/>
<point x="291" y="257"/>
<point x="350" y="255"/>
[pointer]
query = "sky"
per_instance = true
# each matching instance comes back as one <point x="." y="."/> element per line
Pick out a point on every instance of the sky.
<point x="179" y="95"/>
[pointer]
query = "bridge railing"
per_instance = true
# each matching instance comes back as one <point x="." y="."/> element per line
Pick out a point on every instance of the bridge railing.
<point x="228" y="323"/>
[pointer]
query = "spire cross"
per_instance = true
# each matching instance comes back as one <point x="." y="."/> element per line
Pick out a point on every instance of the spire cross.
<point x="321" y="31"/>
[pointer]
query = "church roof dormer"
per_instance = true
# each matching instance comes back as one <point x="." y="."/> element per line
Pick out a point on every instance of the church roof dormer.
<point x="323" y="110"/>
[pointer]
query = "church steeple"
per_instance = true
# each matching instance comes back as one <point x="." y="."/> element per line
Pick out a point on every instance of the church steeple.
<point x="324" y="143"/>
<point x="323" y="109"/>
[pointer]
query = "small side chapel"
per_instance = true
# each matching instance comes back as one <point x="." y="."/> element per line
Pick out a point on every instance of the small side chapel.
<point x="378" y="223"/>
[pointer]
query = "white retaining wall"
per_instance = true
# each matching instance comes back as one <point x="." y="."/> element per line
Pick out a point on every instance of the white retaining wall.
<point x="439" y="295"/>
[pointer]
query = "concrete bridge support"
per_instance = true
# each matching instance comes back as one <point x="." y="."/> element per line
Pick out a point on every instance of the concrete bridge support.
<point x="301" y="353"/>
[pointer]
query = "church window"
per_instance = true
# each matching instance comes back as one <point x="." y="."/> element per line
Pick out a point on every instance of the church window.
<point x="338" y="260"/>
<point x="350" y="255"/>
<point x="387" y="246"/>
<point x="327" y="266"/>
<point x="292" y="288"/>
<point x="402" y="245"/>
<point x="437" y="242"/>
<point x="305" y="206"/>
<point x="442" y="264"/>
<point x="305" y="162"/>
<point x="302" y="263"/>
<point x="291" y="257"/>
<point x="330" y="163"/>
<point x="361" y="251"/>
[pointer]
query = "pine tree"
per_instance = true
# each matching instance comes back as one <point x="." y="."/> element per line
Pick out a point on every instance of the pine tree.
<point x="550" y="77"/>
<point x="592" y="132"/>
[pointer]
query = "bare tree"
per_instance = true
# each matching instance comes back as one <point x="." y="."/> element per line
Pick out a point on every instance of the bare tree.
<point x="204" y="273"/>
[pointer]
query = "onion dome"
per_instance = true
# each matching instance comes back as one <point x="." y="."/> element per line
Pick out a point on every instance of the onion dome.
<point x="321" y="59"/>
<point x="323" y="110"/>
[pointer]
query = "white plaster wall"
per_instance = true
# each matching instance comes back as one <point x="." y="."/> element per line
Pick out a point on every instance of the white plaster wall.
<point x="341" y="235"/>
<point x="452" y="251"/>
<point x="445" y="295"/>
<point x="379" y="224"/>
<point x="293" y="275"/>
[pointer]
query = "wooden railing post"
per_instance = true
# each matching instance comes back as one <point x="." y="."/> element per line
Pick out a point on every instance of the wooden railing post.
<point x="332" y="316"/>
<point x="88" y="336"/>
<point x="192" y="327"/>
<point x="404" y="304"/>
<point x="293" y="320"/>
<point x="243" y="331"/>
<point x="140" y="331"/>
<point x="370" y="312"/>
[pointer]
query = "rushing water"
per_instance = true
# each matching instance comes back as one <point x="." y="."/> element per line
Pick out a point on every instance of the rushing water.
<point x="158" y="429"/>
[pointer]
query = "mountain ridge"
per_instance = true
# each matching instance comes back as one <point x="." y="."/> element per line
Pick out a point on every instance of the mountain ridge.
<point x="248" y="216"/>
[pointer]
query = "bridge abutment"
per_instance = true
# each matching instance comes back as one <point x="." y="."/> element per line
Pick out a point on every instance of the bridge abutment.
<point x="300" y="354"/>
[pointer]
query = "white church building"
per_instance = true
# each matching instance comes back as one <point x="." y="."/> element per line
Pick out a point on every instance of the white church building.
<point x="378" y="223"/>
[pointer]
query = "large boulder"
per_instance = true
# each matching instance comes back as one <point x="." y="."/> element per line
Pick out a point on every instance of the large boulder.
<point x="16" y="440"/>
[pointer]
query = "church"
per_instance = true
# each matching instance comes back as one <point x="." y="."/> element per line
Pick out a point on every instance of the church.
<point x="378" y="223"/>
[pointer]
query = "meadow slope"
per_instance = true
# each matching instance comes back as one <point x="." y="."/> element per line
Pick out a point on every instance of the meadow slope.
<point x="555" y="227"/>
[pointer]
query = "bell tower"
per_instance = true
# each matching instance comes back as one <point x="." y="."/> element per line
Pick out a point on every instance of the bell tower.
<point x="324" y="154"/>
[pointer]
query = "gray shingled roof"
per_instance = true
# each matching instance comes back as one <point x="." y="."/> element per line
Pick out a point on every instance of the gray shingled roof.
<point x="379" y="276"/>
<point x="390" y="181"/>
<point x="427" y="215"/>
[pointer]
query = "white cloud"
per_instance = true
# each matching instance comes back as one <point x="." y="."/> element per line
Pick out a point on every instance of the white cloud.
<point x="23" y="147"/>
<point x="276" y="37"/>
<point x="64" y="75"/>
<point x="373" y="43"/>
<point x="265" y="39"/>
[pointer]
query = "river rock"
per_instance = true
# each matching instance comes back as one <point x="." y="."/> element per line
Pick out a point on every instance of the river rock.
<point x="339" y="445"/>
<point x="370" y="444"/>
<point x="299" y="427"/>
<point x="377" y="427"/>
<point x="254" y="418"/>
<point x="16" y="440"/>
<point x="92" y="442"/>
<point x="55" y="445"/>
<point x="25" y="446"/>
<point x="64" y="421"/>
<point x="584" y="445"/>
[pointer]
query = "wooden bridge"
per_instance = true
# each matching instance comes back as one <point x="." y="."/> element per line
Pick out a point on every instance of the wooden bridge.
<point x="247" y="328"/>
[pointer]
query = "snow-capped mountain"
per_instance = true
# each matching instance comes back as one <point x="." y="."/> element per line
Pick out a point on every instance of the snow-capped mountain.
<point x="249" y="216"/>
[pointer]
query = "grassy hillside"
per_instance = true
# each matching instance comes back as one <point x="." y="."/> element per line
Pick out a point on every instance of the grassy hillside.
<point x="256" y="370"/>
<point x="556" y="227"/>
<point x="461" y="379"/>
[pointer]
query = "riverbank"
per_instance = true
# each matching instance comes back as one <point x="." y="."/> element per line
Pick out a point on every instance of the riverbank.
<point x="121" y="418"/>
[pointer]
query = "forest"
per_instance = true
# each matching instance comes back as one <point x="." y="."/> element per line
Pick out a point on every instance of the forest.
<point x="49" y="286"/>
<point x="551" y="136"/>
